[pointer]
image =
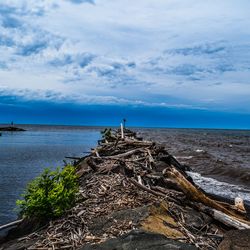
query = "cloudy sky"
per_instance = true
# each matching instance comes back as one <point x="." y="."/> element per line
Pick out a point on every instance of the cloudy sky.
<point x="183" y="63"/>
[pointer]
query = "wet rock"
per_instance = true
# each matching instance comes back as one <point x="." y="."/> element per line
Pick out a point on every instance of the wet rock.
<point x="140" y="240"/>
<point x="236" y="240"/>
<point x="196" y="220"/>
<point x="15" y="245"/>
<point x="12" y="240"/>
<point x="101" y="224"/>
<point x="27" y="226"/>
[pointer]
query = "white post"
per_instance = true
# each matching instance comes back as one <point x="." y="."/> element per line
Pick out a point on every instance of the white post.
<point x="122" y="132"/>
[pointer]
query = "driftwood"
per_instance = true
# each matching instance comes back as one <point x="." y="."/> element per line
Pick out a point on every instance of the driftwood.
<point x="224" y="218"/>
<point x="198" y="195"/>
<point x="11" y="224"/>
<point x="125" y="172"/>
<point x="146" y="189"/>
<point x="131" y="152"/>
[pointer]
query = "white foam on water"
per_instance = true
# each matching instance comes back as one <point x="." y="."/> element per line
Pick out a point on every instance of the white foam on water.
<point x="213" y="186"/>
<point x="184" y="157"/>
<point x="199" y="151"/>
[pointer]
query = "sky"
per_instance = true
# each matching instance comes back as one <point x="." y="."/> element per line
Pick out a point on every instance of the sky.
<point x="164" y="63"/>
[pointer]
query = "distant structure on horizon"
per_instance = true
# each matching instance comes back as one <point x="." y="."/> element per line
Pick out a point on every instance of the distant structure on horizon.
<point x="124" y="122"/>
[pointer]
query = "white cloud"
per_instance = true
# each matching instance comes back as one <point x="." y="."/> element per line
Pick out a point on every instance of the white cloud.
<point x="168" y="51"/>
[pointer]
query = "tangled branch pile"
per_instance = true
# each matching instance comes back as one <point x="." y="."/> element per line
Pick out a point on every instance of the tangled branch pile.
<point x="127" y="183"/>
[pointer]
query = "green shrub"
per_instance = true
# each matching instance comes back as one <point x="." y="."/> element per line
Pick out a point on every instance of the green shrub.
<point x="50" y="194"/>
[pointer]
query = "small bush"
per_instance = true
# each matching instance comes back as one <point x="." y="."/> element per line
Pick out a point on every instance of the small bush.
<point x="50" y="194"/>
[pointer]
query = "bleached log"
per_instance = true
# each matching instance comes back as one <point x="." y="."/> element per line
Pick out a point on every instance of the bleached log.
<point x="11" y="224"/>
<point x="230" y="221"/>
<point x="122" y="132"/>
<point x="198" y="195"/>
<point x="224" y="218"/>
<point x="151" y="159"/>
<point x="139" y="143"/>
<point x="124" y="154"/>
<point x="145" y="188"/>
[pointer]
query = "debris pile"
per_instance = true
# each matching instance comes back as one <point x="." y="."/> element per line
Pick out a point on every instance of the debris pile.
<point x="126" y="184"/>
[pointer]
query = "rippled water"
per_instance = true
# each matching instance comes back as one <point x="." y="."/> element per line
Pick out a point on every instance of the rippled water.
<point x="24" y="155"/>
<point x="221" y="157"/>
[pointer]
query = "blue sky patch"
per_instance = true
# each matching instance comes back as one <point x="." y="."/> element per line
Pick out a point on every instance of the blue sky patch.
<point x="188" y="57"/>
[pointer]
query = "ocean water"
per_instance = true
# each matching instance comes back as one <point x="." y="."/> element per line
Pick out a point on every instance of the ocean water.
<point x="24" y="155"/>
<point x="220" y="159"/>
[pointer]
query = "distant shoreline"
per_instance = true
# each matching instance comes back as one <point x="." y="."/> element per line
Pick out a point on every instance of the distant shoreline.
<point x="11" y="129"/>
<point x="131" y="127"/>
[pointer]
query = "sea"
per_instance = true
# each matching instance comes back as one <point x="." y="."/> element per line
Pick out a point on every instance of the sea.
<point x="24" y="155"/>
<point x="219" y="159"/>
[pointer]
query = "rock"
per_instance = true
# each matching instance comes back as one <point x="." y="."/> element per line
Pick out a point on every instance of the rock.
<point x="27" y="226"/>
<point x="101" y="224"/>
<point x="236" y="240"/>
<point x="15" y="245"/>
<point x="196" y="220"/>
<point x="161" y="222"/>
<point x="11" y="129"/>
<point x="140" y="240"/>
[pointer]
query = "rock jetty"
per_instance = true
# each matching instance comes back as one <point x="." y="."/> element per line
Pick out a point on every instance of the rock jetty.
<point x="135" y="195"/>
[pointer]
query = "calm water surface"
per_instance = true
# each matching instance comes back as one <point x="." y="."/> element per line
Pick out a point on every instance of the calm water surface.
<point x="24" y="155"/>
<point x="219" y="158"/>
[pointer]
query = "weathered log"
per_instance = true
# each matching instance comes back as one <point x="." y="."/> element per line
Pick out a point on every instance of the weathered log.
<point x="145" y="188"/>
<point x="138" y="143"/>
<point x="224" y="218"/>
<point x="151" y="159"/>
<point x="131" y="152"/>
<point x="11" y="224"/>
<point x="122" y="132"/>
<point x="198" y="195"/>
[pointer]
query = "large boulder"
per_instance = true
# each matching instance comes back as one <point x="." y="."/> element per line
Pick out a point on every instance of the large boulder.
<point x="140" y="240"/>
<point x="236" y="240"/>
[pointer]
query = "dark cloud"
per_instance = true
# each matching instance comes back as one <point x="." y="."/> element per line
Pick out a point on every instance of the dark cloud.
<point x="195" y="72"/>
<point x="32" y="48"/>
<point x="37" y="43"/>
<point x="11" y="22"/>
<point x="6" y="10"/>
<point x="6" y="41"/>
<point x="82" y="1"/>
<point x="114" y="69"/>
<point x="131" y="64"/>
<point x="81" y="59"/>
<point x="85" y="59"/>
<point x="103" y="71"/>
<point x="62" y="61"/>
<point x="23" y="111"/>
<point x="224" y="67"/>
<point x="185" y="70"/>
<point x="197" y="50"/>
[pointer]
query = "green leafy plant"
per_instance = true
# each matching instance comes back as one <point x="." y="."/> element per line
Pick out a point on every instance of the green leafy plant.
<point x="50" y="194"/>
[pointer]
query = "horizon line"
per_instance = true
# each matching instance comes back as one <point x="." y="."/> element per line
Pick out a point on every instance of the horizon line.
<point x="117" y="126"/>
